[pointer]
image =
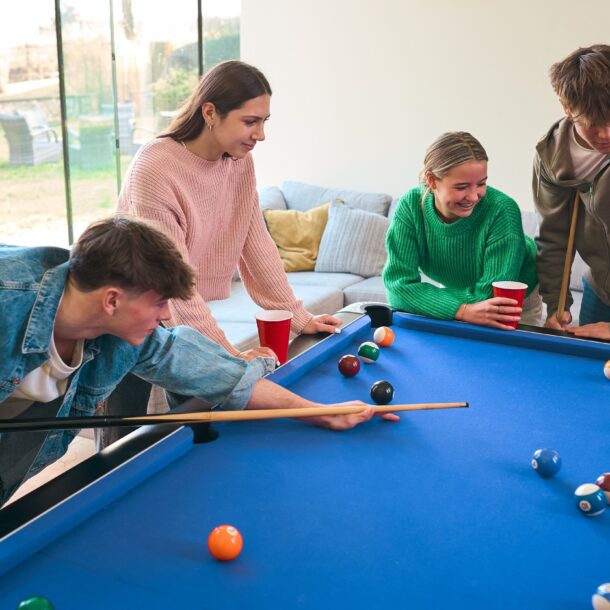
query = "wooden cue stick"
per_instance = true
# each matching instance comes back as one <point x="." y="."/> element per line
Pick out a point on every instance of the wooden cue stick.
<point x="71" y="423"/>
<point x="567" y="266"/>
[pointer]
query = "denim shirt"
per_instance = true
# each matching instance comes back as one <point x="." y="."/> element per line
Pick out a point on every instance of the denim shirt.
<point x="180" y="359"/>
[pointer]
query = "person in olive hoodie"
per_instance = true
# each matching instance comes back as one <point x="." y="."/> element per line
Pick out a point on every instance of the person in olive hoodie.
<point x="574" y="158"/>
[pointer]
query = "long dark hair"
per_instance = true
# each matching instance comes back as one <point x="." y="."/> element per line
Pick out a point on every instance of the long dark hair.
<point x="227" y="85"/>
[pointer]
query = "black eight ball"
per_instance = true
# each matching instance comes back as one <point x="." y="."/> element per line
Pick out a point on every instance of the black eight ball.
<point x="382" y="392"/>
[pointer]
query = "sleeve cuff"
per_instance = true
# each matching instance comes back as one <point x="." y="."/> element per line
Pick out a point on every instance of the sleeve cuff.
<point x="239" y="397"/>
<point x="300" y="320"/>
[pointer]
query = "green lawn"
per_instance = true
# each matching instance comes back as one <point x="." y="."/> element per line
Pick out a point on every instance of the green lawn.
<point x="33" y="201"/>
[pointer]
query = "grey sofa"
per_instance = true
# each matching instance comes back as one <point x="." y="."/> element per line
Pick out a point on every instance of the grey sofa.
<point x="353" y="241"/>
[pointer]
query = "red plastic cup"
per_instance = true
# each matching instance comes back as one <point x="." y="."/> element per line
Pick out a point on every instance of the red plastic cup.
<point x="511" y="290"/>
<point x="274" y="331"/>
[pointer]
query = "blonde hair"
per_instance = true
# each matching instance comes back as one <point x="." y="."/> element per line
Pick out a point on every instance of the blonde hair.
<point x="448" y="151"/>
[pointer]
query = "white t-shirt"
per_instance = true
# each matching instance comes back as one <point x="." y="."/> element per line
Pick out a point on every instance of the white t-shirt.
<point x="50" y="380"/>
<point x="586" y="162"/>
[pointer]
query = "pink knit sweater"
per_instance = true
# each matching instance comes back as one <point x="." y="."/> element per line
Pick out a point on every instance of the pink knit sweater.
<point x="210" y="210"/>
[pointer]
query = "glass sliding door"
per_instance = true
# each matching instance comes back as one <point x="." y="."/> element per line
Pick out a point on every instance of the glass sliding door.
<point x="87" y="69"/>
<point x="32" y="193"/>
<point x="126" y="67"/>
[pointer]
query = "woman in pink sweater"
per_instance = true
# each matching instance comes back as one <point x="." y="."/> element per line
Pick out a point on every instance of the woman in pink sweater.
<point x="197" y="182"/>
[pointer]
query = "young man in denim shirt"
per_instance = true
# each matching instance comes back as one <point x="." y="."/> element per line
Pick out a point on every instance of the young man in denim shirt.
<point x="74" y="324"/>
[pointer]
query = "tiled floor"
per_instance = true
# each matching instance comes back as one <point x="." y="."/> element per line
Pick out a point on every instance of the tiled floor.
<point x="80" y="449"/>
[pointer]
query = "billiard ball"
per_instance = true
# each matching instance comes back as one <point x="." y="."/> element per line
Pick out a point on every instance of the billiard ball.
<point x="383" y="336"/>
<point x="36" y="602"/>
<point x="601" y="598"/>
<point x="590" y="499"/>
<point x="607" y="370"/>
<point x="382" y="392"/>
<point x="368" y="351"/>
<point x="349" y="365"/>
<point x="546" y="462"/>
<point x="225" y="542"/>
<point x="603" y="482"/>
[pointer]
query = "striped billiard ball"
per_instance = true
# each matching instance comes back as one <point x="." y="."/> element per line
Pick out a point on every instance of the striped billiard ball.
<point x="601" y="598"/>
<point x="368" y="351"/>
<point x="383" y="336"/>
<point x="590" y="499"/>
<point x="546" y="462"/>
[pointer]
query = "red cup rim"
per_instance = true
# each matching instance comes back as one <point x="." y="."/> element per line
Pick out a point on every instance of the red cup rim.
<point x="274" y="315"/>
<point x="509" y="285"/>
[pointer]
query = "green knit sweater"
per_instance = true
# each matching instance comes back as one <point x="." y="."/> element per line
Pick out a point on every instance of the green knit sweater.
<point x="465" y="256"/>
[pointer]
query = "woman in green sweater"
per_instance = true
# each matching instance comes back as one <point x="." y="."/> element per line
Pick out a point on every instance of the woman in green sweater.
<point x="464" y="235"/>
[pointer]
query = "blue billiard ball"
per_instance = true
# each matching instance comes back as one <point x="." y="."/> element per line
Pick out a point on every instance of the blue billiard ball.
<point x="546" y="462"/>
<point x="601" y="598"/>
<point x="590" y="499"/>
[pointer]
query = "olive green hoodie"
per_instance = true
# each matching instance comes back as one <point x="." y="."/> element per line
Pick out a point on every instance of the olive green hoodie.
<point x="554" y="188"/>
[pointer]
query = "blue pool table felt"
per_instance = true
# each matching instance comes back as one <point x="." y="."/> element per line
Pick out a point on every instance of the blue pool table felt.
<point x="439" y="510"/>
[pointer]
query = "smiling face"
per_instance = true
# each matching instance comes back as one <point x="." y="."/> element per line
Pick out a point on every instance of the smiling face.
<point x="239" y="130"/>
<point x="457" y="193"/>
<point x="136" y="316"/>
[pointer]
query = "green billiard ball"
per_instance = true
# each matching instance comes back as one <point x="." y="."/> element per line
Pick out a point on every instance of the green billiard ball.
<point x="368" y="351"/>
<point x="36" y="602"/>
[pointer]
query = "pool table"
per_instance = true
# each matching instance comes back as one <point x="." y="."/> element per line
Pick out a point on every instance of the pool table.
<point x="439" y="510"/>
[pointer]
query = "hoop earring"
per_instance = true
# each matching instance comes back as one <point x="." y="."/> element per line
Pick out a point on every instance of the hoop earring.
<point x="210" y="126"/>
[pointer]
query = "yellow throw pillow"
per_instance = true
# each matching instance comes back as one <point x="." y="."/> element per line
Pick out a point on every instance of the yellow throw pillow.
<point x="297" y="235"/>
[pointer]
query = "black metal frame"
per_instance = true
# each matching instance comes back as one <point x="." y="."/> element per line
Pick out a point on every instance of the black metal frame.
<point x="63" y="109"/>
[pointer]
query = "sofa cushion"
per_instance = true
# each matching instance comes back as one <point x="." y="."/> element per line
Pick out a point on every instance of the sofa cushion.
<point x="271" y="198"/>
<point x="530" y="223"/>
<point x="371" y="289"/>
<point x="297" y="235"/>
<point x="302" y="196"/>
<point x="393" y="207"/>
<point x="235" y="315"/>
<point x="313" y="278"/>
<point x="353" y="242"/>
<point x="578" y="270"/>
<point x="530" y="227"/>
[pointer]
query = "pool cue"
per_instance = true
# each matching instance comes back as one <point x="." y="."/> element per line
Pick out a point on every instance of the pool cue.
<point x="567" y="266"/>
<point x="72" y="423"/>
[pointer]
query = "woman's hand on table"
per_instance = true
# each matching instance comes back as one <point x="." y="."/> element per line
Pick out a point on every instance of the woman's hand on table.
<point x="496" y="312"/>
<point x="323" y="323"/>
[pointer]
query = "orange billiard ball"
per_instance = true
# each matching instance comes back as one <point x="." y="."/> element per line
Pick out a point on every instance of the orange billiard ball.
<point x="384" y="336"/>
<point x="225" y="542"/>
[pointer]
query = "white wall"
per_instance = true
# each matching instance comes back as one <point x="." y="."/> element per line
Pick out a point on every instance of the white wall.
<point x="361" y="87"/>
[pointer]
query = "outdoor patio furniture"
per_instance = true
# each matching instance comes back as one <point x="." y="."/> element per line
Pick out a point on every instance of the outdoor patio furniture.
<point x="92" y="146"/>
<point x="127" y="126"/>
<point x="31" y="141"/>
